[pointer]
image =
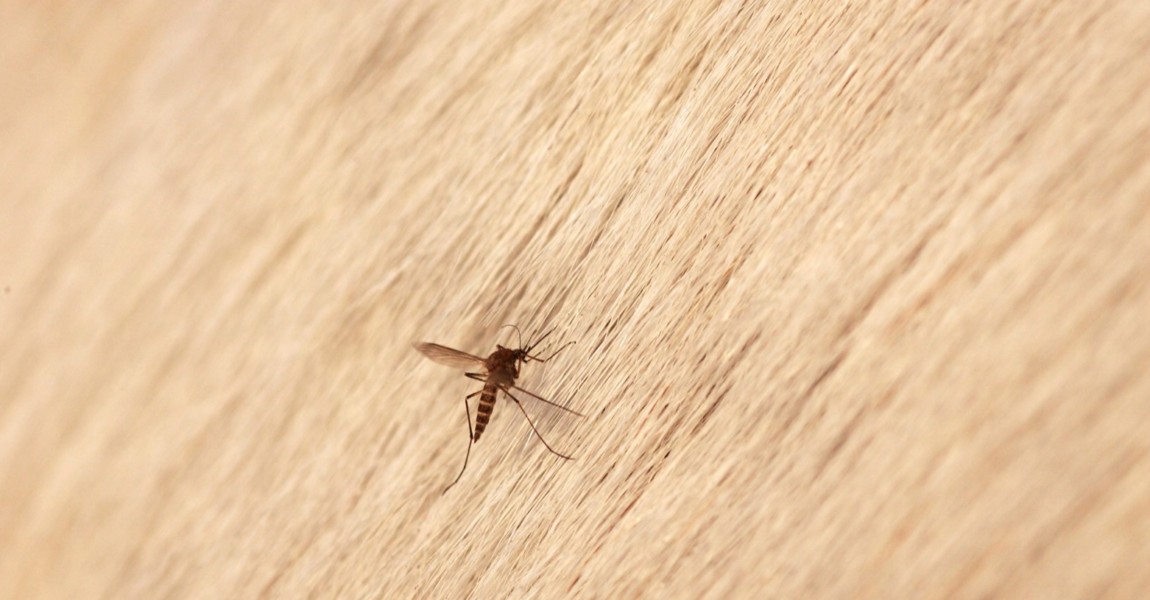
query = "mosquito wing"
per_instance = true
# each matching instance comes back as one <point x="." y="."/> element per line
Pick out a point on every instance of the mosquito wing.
<point x="449" y="356"/>
<point x="542" y="399"/>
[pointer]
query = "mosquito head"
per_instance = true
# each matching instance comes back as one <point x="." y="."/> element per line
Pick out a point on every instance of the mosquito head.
<point x="521" y="352"/>
<point x="520" y="356"/>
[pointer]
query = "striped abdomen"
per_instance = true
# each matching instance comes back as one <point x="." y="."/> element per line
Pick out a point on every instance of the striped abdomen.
<point x="483" y="411"/>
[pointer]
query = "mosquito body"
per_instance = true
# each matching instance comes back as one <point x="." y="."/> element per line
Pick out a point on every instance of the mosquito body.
<point x="498" y="373"/>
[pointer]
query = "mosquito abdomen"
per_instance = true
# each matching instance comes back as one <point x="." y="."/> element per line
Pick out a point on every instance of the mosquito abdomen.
<point x="483" y="411"/>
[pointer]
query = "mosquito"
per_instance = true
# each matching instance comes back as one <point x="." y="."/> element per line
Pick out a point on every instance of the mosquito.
<point x="499" y="372"/>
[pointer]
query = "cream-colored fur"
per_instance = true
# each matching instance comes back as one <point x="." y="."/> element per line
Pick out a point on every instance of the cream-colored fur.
<point x="860" y="292"/>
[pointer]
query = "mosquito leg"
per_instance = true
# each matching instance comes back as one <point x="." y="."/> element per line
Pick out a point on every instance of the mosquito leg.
<point x="477" y="376"/>
<point x="529" y="422"/>
<point x="535" y="344"/>
<point x="470" y="439"/>
<point x="554" y="354"/>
